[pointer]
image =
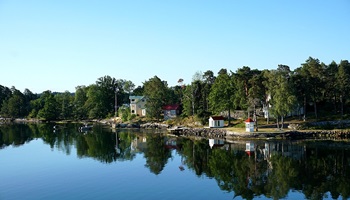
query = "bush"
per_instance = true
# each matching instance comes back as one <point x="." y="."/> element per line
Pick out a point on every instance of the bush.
<point x="133" y="116"/>
<point x="124" y="113"/>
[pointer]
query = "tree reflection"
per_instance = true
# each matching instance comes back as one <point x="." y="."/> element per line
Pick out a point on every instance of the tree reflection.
<point x="271" y="169"/>
<point x="282" y="177"/>
<point x="156" y="154"/>
<point x="101" y="145"/>
<point x="195" y="154"/>
<point x="15" y="136"/>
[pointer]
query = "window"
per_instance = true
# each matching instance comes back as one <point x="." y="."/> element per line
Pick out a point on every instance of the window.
<point x="133" y="111"/>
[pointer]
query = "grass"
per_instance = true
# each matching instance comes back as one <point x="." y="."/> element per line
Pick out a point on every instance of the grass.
<point x="260" y="130"/>
<point x="239" y="125"/>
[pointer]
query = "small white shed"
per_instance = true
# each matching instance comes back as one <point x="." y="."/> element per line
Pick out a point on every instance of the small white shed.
<point x="249" y="125"/>
<point x="216" y="122"/>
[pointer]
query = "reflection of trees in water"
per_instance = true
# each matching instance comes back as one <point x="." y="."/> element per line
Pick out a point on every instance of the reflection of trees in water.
<point x="272" y="169"/>
<point x="124" y="145"/>
<point x="156" y="154"/>
<point x="102" y="145"/>
<point x="14" y="135"/>
<point x="195" y="155"/>
<point x="97" y="145"/>
<point x="326" y="170"/>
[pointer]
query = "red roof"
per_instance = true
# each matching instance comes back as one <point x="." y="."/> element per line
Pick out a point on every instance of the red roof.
<point x="171" y="107"/>
<point x="249" y="120"/>
<point x="217" y="117"/>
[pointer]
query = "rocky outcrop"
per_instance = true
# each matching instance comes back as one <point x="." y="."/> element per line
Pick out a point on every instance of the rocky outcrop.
<point x="200" y="132"/>
<point x="154" y="126"/>
<point x="143" y="126"/>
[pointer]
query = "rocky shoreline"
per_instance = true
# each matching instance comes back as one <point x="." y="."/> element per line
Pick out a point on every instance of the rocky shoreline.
<point x="336" y="134"/>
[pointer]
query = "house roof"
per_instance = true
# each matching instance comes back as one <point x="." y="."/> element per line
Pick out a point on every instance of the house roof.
<point x="136" y="97"/>
<point x="249" y="120"/>
<point x="217" y="117"/>
<point x="171" y="107"/>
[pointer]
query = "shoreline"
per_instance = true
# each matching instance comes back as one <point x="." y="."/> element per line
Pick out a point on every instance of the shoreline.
<point x="221" y="133"/>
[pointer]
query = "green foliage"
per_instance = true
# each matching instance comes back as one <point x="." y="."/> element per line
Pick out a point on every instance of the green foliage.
<point x="155" y="91"/>
<point x="312" y="85"/>
<point x="221" y="97"/>
<point x="195" y="97"/>
<point x="5" y="93"/>
<point x="50" y="110"/>
<point x="314" y="75"/>
<point x="80" y="98"/>
<point x="15" y="105"/>
<point x="133" y="116"/>
<point x="65" y="102"/>
<point x="342" y="79"/>
<point x="282" y="96"/>
<point x="138" y="91"/>
<point x="124" y="113"/>
<point x="128" y="86"/>
<point x="187" y="101"/>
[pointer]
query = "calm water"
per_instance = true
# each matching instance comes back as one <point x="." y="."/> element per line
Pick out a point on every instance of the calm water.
<point x="38" y="163"/>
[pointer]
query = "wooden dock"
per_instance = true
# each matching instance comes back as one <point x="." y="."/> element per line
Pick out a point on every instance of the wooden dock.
<point x="176" y="131"/>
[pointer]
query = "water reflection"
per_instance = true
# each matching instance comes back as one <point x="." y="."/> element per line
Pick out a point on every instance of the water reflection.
<point x="247" y="168"/>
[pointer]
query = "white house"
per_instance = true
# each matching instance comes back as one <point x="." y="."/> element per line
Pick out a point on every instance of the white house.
<point x="298" y="110"/>
<point x="216" y="122"/>
<point x="137" y="105"/>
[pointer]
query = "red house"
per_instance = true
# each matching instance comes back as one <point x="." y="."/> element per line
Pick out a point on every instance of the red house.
<point x="171" y="111"/>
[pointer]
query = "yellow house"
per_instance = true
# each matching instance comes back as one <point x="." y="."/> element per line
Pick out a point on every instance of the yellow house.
<point x="137" y="105"/>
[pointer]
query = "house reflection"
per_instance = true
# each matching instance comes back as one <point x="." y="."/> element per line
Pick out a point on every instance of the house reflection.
<point x="265" y="149"/>
<point x="286" y="149"/>
<point x="250" y="148"/>
<point x="216" y="143"/>
<point x="138" y="144"/>
<point x="171" y="143"/>
<point x="117" y="142"/>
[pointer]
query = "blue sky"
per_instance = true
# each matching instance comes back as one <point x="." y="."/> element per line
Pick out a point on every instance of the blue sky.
<point x="58" y="45"/>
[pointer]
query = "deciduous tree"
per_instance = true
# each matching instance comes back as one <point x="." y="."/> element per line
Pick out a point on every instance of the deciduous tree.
<point x="155" y="91"/>
<point x="222" y="93"/>
<point x="283" y="100"/>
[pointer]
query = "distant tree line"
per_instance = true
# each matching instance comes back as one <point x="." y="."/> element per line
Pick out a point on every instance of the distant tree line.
<point x="95" y="101"/>
<point x="315" y="87"/>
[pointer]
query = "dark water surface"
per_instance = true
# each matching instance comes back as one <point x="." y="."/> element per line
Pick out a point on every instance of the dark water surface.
<point x="37" y="162"/>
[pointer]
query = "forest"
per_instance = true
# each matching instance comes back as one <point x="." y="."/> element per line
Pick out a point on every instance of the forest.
<point x="316" y="88"/>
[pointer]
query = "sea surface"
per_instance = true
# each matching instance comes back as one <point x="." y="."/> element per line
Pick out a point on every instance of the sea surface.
<point x="38" y="161"/>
